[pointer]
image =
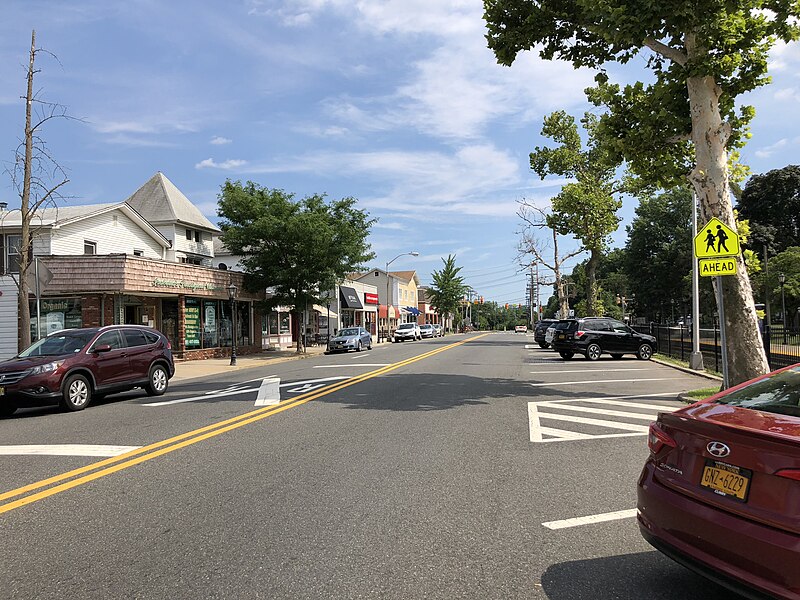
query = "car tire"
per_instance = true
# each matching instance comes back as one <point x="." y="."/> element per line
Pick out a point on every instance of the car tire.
<point x="544" y="345"/>
<point x="369" y="346"/>
<point x="6" y="410"/>
<point x="77" y="393"/>
<point x="358" y="346"/>
<point x="593" y="352"/>
<point x="616" y="356"/>
<point x="566" y="355"/>
<point x="645" y="352"/>
<point x="157" y="381"/>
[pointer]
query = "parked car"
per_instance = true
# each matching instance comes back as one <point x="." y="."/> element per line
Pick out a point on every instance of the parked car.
<point x="72" y="366"/>
<point x="593" y="336"/>
<point x="540" y="330"/>
<point x="720" y="490"/>
<point x="520" y="329"/>
<point x="351" y="338"/>
<point x="427" y="331"/>
<point x="407" y="331"/>
<point x="439" y="330"/>
<point x="551" y="331"/>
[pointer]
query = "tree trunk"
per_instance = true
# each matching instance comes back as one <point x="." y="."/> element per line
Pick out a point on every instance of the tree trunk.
<point x="591" y="283"/>
<point x="563" y="301"/>
<point x="746" y="357"/>
<point x="23" y="303"/>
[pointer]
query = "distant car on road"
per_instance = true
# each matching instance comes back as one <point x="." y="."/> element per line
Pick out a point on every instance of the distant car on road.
<point x="520" y="329"/>
<point x="72" y="366"/>
<point x="439" y="330"/>
<point x="540" y="330"/>
<point x="593" y="336"/>
<point x="351" y="338"/>
<point x="427" y="331"/>
<point x="407" y="331"/>
<point x="720" y="490"/>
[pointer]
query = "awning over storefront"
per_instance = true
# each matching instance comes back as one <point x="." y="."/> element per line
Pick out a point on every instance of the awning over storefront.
<point x="411" y="310"/>
<point x="323" y="310"/>
<point x="382" y="312"/>
<point x="349" y="298"/>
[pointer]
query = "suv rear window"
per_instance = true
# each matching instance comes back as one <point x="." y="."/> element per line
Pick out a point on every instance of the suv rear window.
<point x="778" y="394"/>
<point x="567" y="325"/>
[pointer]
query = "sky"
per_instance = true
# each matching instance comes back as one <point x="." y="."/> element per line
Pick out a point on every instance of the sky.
<point x="398" y="103"/>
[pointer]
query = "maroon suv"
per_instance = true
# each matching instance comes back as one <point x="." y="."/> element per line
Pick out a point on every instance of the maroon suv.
<point x="70" y="367"/>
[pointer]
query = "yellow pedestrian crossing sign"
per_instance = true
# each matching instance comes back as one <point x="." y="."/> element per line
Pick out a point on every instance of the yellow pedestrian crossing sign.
<point x="716" y="267"/>
<point x="716" y="240"/>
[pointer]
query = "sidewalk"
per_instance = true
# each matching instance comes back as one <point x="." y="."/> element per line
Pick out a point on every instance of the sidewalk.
<point x="192" y="369"/>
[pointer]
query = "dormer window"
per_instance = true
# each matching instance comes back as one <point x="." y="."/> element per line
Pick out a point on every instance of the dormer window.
<point x="89" y="247"/>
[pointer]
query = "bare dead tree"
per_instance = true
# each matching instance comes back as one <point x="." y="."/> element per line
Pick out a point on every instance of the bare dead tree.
<point x="38" y="179"/>
<point x="535" y="221"/>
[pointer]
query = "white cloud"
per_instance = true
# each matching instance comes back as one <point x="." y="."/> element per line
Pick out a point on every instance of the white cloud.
<point x="768" y="151"/>
<point x="220" y="141"/>
<point x="226" y="165"/>
<point x="392" y="226"/>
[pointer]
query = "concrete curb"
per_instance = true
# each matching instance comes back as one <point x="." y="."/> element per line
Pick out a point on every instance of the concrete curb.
<point x="688" y="370"/>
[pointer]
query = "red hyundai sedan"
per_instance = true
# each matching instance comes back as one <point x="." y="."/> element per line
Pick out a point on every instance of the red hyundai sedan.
<point x="720" y="492"/>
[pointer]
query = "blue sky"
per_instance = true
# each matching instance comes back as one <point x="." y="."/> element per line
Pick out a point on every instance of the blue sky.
<point x="397" y="102"/>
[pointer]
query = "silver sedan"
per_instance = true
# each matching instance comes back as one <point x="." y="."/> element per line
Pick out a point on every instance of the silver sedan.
<point x="350" y="338"/>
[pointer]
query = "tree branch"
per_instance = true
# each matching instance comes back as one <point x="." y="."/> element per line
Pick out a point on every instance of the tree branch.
<point x="669" y="52"/>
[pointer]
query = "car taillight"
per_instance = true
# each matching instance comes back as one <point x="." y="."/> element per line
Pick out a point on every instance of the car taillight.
<point x="169" y="345"/>
<point x="657" y="438"/>
<point x="789" y="474"/>
<point x="579" y="334"/>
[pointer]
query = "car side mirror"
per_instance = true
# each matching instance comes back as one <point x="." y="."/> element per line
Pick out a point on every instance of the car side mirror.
<point x="102" y="348"/>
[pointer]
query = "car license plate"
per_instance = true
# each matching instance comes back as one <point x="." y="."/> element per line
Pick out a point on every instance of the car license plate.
<point x="2" y="391"/>
<point x="726" y="480"/>
<point x="561" y="336"/>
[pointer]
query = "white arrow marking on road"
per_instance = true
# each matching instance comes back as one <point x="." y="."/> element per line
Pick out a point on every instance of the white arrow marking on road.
<point x="306" y="388"/>
<point x="591" y="519"/>
<point x="65" y="450"/>
<point x="269" y="392"/>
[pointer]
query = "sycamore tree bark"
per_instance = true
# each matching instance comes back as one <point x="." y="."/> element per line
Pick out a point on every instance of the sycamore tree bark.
<point x="746" y="355"/>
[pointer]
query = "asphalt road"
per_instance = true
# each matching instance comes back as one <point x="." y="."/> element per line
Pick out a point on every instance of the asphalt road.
<point x="436" y="469"/>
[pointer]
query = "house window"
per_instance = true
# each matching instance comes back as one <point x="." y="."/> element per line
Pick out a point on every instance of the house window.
<point x="89" y="247"/>
<point x="12" y="253"/>
<point x="138" y="252"/>
<point x="198" y="237"/>
<point x="189" y="234"/>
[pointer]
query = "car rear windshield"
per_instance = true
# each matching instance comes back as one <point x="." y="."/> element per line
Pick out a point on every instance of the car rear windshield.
<point x="566" y="325"/>
<point x="59" y="344"/>
<point x="778" y="394"/>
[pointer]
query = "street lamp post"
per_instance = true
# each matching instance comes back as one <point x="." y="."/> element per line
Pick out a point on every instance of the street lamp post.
<point x="782" y="282"/>
<point x="388" y="282"/>
<point x="232" y="296"/>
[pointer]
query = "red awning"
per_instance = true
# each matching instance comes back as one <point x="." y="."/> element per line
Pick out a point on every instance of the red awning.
<point x="382" y="311"/>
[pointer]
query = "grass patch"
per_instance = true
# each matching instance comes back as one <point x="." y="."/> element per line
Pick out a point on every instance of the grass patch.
<point x="702" y="393"/>
<point x="682" y="363"/>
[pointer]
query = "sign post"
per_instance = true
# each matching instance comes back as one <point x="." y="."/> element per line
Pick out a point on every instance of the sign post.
<point x="716" y="247"/>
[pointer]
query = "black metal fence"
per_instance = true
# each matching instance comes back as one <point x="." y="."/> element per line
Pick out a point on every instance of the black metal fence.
<point x="782" y="346"/>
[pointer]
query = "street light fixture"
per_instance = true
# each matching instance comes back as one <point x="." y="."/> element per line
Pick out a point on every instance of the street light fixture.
<point x="782" y="282"/>
<point x="388" y="280"/>
<point x="232" y="296"/>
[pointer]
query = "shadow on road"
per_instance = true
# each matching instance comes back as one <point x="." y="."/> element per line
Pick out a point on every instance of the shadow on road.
<point x="647" y="575"/>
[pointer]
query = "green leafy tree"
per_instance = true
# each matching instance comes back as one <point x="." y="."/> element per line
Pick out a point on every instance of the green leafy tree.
<point x="297" y="249"/>
<point x="684" y="124"/>
<point x="771" y="202"/>
<point x="788" y="264"/>
<point x="585" y="208"/>
<point x="447" y="290"/>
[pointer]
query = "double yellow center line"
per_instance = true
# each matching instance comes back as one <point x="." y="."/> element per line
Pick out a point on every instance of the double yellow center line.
<point x="76" y="477"/>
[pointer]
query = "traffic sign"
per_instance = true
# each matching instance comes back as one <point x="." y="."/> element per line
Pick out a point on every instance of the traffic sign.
<point x="716" y="240"/>
<point x="716" y="267"/>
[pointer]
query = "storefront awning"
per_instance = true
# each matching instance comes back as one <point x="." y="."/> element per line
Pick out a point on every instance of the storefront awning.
<point x="323" y="310"/>
<point x="411" y="310"/>
<point x="349" y="298"/>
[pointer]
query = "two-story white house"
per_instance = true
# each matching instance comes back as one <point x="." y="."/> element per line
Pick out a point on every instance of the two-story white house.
<point x="107" y="263"/>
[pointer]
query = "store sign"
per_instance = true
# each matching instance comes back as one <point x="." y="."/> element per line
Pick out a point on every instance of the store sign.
<point x="370" y="298"/>
<point x="183" y="285"/>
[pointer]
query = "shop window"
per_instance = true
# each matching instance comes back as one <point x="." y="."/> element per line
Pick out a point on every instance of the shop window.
<point x="243" y="323"/>
<point x="89" y="247"/>
<point x="285" y="319"/>
<point x="169" y="321"/>
<point x="225" y="324"/>
<point x="56" y="314"/>
<point x="210" y="324"/>
<point x="192" y="323"/>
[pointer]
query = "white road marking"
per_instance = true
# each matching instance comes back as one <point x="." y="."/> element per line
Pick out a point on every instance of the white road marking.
<point x="357" y="356"/>
<point x="595" y="381"/>
<point x="591" y="519"/>
<point x="595" y="370"/>
<point x="598" y="422"/>
<point x="269" y="392"/>
<point x="533" y="423"/>
<point x="65" y="450"/>
<point x="600" y="411"/>
<point x="352" y="365"/>
<point x="306" y="388"/>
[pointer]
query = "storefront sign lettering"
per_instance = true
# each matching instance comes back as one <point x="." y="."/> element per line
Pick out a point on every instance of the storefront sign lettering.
<point x="185" y="285"/>
<point x="370" y="298"/>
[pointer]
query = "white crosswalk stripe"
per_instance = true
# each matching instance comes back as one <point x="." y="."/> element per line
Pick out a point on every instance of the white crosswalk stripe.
<point x="572" y="420"/>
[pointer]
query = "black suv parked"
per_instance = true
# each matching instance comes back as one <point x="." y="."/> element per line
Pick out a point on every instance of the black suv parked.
<point x="540" y="330"/>
<point x="593" y="336"/>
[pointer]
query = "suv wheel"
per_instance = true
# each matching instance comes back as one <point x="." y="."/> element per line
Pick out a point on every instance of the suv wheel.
<point x="544" y="345"/>
<point x="593" y="351"/>
<point x="566" y="355"/>
<point x="645" y="352"/>
<point x="358" y="346"/>
<point x="158" y="381"/>
<point x="77" y="393"/>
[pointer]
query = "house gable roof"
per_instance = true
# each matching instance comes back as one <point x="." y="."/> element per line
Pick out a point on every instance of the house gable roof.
<point x="407" y="276"/>
<point x="161" y="202"/>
